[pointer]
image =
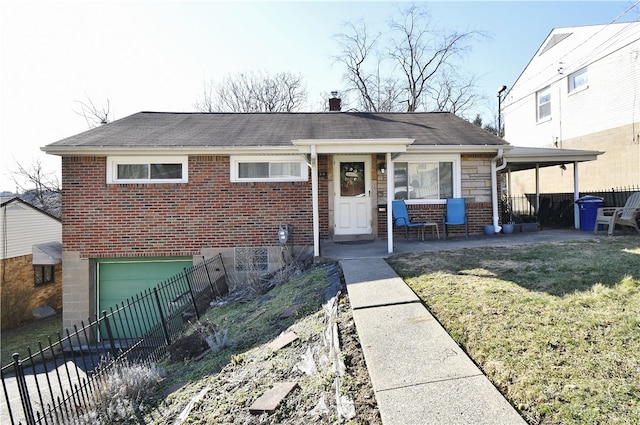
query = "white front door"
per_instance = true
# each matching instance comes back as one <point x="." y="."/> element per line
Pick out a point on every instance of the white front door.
<point x="352" y="189"/>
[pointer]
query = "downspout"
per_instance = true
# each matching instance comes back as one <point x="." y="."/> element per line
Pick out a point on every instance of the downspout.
<point x="494" y="187"/>
<point x="314" y="196"/>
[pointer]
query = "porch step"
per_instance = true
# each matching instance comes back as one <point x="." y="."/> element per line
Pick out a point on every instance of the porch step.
<point x="353" y="238"/>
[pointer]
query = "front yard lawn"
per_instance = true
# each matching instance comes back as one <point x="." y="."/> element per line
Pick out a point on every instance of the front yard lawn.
<point x="556" y="327"/>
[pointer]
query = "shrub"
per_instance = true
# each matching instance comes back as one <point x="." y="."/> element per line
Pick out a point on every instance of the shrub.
<point x="120" y="392"/>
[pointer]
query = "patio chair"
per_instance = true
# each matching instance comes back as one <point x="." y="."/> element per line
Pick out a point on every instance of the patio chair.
<point x="624" y="216"/>
<point x="401" y="218"/>
<point x="455" y="215"/>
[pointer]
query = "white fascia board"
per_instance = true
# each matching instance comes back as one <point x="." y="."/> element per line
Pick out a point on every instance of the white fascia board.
<point x="459" y="149"/>
<point x="520" y="155"/>
<point x="366" y="146"/>
<point x="164" y="150"/>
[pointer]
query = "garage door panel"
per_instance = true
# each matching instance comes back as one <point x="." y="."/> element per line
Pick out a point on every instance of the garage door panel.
<point x="119" y="280"/>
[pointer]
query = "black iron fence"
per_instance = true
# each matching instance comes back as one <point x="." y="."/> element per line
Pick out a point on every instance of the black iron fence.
<point x="557" y="209"/>
<point x="55" y="383"/>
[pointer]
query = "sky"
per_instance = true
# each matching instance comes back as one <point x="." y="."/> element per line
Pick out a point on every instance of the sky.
<point x="157" y="55"/>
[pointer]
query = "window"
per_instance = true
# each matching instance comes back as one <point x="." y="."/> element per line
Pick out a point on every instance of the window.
<point x="544" y="103"/>
<point x="427" y="179"/>
<point x="268" y="168"/>
<point x="578" y="80"/>
<point x="251" y="260"/>
<point x="43" y="275"/>
<point x="147" y="169"/>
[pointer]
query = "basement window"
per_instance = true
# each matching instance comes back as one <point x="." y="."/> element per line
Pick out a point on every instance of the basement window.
<point x="147" y="170"/>
<point x="43" y="275"/>
<point x="251" y="260"/>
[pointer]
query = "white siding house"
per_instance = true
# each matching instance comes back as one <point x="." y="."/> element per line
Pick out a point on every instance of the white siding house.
<point x="30" y="263"/>
<point x="581" y="90"/>
<point x="23" y="226"/>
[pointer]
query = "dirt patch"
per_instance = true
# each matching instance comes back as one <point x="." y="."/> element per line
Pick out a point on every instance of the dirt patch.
<point x="333" y="386"/>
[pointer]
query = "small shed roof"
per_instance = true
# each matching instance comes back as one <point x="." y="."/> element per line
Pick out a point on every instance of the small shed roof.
<point x="49" y="253"/>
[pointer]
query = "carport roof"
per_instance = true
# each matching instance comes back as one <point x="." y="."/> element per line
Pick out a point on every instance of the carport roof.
<point x="522" y="158"/>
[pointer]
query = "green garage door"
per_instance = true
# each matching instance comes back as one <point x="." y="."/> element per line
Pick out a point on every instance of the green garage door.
<point x="119" y="279"/>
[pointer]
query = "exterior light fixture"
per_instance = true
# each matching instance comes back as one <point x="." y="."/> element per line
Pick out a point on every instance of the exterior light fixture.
<point x="283" y="233"/>
<point x="382" y="167"/>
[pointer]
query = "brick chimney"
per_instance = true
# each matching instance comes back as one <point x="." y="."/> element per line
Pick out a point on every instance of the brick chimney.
<point x="334" y="102"/>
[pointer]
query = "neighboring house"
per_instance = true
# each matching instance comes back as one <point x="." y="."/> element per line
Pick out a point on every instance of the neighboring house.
<point x="150" y="193"/>
<point x="581" y="90"/>
<point x="31" y="261"/>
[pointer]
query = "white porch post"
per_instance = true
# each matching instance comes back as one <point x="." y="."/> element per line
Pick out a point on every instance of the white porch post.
<point x="576" y="195"/>
<point x="314" y="196"/>
<point x="390" y="192"/>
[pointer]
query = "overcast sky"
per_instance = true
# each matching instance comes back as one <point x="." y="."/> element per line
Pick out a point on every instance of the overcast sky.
<point x="155" y="56"/>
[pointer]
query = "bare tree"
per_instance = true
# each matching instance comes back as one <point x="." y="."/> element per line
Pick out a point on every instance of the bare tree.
<point x="94" y="115"/>
<point x="254" y="92"/>
<point x="415" y="62"/>
<point x="362" y="74"/>
<point x="452" y="93"/>
<point x="38" y="187"/>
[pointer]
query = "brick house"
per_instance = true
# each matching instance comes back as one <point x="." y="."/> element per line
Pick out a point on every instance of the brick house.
<point x="30" y="261"/>
<point x="147" y="194"/>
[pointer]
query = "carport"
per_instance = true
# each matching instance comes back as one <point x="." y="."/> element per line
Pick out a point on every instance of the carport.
<point x="523" y="158"/>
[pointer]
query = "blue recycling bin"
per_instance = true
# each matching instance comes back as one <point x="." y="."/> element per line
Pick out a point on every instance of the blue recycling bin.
<point x="588" y="206"/>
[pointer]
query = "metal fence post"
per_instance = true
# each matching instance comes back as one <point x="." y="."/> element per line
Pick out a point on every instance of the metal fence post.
<point x="193" y="298"/>
<point x="206" y="269"/>
<point x="167" y="338"/>
<point x="109" y="334"/>
<point x="23" y="390"/>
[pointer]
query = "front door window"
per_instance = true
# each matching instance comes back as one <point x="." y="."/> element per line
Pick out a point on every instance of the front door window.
<point x="352" y="181"/>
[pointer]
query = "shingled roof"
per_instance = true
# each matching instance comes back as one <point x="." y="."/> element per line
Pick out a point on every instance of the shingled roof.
<point x="243" y="130"/>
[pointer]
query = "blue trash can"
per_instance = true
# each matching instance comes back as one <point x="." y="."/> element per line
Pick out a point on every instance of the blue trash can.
<point x="588" y="206"/>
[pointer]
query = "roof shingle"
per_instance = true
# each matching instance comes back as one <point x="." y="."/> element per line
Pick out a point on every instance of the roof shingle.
<point x="201" y="130"/>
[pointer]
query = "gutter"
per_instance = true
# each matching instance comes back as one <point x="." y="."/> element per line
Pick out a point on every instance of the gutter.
<point x="494" y="187"/>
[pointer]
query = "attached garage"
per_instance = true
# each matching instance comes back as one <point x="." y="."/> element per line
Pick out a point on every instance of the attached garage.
<point x="121" y="278"/>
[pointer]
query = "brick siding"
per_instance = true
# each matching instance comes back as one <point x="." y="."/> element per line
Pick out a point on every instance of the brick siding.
<point x="128" y="220"/>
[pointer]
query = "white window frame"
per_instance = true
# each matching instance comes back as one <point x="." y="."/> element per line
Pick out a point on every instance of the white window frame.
<point x="539" y="94"/>
<point x="435" y="159"/>
<point x="237" y="160"/>
<point x="114" y="161"/>
<point x="573" y="77"/>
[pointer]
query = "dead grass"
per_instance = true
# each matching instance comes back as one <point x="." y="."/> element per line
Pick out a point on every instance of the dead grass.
<point x="556" y="327"/>
<point x="17" y="340"/>
<point x="236" y="375"/>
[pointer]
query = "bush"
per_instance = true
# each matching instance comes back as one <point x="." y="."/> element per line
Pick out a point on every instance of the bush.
<point x="120" y="392"/>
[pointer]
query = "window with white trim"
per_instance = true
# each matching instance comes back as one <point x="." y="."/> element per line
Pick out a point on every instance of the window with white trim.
<point x="158" y="169"/>
<point x="268" y="168"/>
<point x="427" y="179"/>
<point x="543" y="100"/>
<point x="578" y="79"/>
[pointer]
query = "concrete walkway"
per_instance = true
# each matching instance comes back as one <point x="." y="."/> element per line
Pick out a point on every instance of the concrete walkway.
<point x="419" y="374"/>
